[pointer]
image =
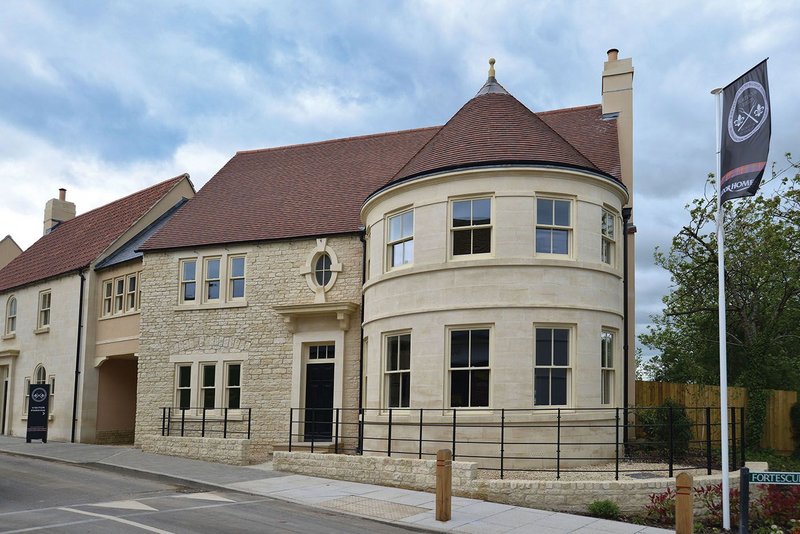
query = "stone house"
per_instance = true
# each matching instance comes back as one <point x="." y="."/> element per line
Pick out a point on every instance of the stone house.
<point x="474" y="267"/>
<point x="71" y="306"/>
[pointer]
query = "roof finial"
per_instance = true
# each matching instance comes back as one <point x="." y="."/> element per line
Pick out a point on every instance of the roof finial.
<point x="491" y="67"/>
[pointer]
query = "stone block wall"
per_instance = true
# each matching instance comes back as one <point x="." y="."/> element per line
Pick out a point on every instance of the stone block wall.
<point x="570" y="496"/>
<point x="226" y="451"/>
<point x="254" y="333"/>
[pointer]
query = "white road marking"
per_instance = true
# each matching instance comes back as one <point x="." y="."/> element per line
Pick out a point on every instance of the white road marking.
<point x="207" y="496"/>
<point x="125" y="505"/>
<point x="118" y="520"/>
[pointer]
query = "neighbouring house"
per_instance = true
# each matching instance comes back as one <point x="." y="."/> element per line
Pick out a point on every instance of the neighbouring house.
<point x="8" y="250"/>
<point x="315" y="293"/>
<point x="71" y="306"/>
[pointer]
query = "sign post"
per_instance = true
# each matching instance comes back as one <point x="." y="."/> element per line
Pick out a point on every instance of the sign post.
<point x="747" y="477"/>
<point x="38" y="412"/>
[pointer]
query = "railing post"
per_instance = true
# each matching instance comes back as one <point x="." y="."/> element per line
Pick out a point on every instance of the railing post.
<point x="291" y="422"/>
<point x="708" y="440"/>
<point x="419" y="455"/>
<point x="225" y="423"/>
<point x="336" y="434"/>
<point x="163" y="420"/>
<point x="454" y="434"/>
<point x="249" y="421"/>
<point x="360" y="430"/>
<point x="733" y="437"/>
<point x="203" y="424"/>
<point x="169" y="418"/>
<point x="183" y="420"/>
<point x="558" y="444"/>
<point x="389" y="440"/>
<point x="671" y="443"/>
<point x="616" y="444"/>
<point x="502" y="439"/>
<point x="313" y="428"/>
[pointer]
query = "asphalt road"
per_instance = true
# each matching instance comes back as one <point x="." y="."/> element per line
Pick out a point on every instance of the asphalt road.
<point x="37" y="495"/>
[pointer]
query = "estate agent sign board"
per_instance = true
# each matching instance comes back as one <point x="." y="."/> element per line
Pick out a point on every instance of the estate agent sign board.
<point x="38" y="403"/>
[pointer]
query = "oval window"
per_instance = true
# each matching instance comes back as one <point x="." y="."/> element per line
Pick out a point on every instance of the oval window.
<point x="322" y="270"/>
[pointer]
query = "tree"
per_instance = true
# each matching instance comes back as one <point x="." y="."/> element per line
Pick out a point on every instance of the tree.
<point x="762" y="286"/>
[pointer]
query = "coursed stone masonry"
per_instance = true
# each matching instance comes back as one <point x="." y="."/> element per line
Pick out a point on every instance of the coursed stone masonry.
<point x="255" y="331"/>
<point x="569" y="496"/>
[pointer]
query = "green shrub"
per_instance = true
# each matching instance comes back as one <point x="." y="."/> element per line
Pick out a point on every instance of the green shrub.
<point x="756" y="415"/>
<point x="604" y="509"/>
<point x="656" y="425"/>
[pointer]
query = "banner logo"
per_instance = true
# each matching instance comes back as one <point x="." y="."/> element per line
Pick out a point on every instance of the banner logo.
<point x="749" y="111"/>
<point x="39" y="394"/>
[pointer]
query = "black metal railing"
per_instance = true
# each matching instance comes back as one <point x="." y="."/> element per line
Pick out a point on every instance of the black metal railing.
<point x="206" y="422"/>
<point x="541" y="440"/>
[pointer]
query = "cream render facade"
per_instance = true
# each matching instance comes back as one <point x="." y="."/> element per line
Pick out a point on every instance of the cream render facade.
<point x="87" y="356"/>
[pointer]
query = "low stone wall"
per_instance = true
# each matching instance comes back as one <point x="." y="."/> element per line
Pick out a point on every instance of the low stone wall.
<point x="114" y="437"/>
<point x="381" y="470"/>
<point x="226" y="451"/>
<point x="569" y="496"/>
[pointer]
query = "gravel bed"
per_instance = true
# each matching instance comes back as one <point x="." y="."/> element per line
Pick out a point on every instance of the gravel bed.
<point x="627" y="471"/>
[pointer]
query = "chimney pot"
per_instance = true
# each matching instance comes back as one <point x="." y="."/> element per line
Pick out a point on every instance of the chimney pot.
<point x="612" y="54"/>
<point x="62" y="194"/>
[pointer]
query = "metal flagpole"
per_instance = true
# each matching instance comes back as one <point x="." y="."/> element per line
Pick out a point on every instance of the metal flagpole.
<point x="723" y="360"/>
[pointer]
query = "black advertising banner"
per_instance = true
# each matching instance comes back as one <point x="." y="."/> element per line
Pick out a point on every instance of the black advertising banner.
<point x="38" y="402"/>
<point x="746" y="129"/>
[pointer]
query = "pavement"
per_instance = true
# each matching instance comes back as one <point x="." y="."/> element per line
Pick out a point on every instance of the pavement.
<point x="400" y="507"/>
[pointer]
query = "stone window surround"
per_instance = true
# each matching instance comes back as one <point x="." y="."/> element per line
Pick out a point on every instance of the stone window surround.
<point x="309" y="269"/>
<point x="110" y="297"/>
<point x="390" y="244"/>
<point x="570" y="229"/>
<point x="387" y="336"/>
<point x="571" y="358"/>
<point x="449" y="368"/>
<point x="225" y="301"/>
<point x="9" y="332"/>
<point x="43" y="313"/>
<point x="221" y="361"/>
<point x="452" y="229"/>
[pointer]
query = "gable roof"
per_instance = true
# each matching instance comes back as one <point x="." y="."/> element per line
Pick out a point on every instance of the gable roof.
<point x="318" y="189"/>
<point x="294" y="191"/>
<point x="75" y="243"/>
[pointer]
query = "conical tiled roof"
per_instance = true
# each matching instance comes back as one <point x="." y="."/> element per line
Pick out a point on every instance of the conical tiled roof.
<point x="493" y="128"/>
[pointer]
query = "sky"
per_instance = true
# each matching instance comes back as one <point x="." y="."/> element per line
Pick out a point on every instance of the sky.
<point x="105" y="98"/>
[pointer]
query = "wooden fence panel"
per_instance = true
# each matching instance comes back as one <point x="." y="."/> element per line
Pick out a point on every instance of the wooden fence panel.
<point x="777" y="428"/>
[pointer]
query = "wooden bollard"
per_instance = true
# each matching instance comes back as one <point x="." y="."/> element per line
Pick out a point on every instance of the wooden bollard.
<point x="684" y="508"/>
<point x="444" y="484"/>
